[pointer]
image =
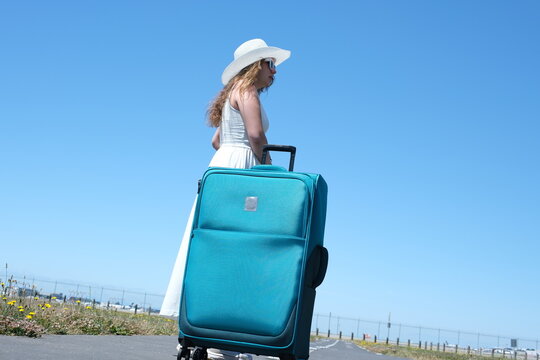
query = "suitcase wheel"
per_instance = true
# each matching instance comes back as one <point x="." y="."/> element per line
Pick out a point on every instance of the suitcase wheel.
<point x="184" y="353"/>
<point x="200" y="354"/>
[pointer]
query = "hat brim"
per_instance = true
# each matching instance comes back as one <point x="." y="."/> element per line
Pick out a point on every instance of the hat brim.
<point x="280" y="55"/>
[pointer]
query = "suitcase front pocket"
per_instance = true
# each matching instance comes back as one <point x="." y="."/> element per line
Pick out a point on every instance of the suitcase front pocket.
<point x="242" y="282"/>
<point x="247" y="203"/>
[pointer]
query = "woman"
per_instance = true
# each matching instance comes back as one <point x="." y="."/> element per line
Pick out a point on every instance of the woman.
<point x="237" y="112"/>
<point x="241" y="124"/>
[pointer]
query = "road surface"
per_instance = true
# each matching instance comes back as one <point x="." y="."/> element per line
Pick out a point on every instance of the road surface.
<point x="89" y="347"/>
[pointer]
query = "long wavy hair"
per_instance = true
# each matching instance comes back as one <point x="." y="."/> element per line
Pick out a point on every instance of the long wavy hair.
<point x="244" y="79"/>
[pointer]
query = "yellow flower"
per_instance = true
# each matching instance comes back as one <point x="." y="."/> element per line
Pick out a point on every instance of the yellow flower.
<point x="32" y="313"/>
<point x="4" y="298"/>
<point x="20" y="307"/>
<point x="36" y="298"/>
<point x="78" y="301"/>
<point x="21" y="310"/>
<point x="48" y="305"/>
<point x="53" y="298"/>
<point x="66" y="309"/>
<point x="28" y="316"/>
<point x="88" y="307"/>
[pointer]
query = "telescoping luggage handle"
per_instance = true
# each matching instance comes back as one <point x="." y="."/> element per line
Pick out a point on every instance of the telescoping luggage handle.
<point x="283" y="148"/>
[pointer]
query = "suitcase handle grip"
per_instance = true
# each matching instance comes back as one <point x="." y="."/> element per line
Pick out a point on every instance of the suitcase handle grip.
<point x="316" y="267"/>
<point x="283" y="148"/>
<point x="323" y="265"/>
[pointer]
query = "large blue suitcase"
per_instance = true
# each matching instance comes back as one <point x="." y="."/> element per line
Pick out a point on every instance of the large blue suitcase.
<point x="255" y="258"/>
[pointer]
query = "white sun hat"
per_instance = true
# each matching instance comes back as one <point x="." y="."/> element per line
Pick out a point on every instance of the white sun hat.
<point x="250" y="52"/>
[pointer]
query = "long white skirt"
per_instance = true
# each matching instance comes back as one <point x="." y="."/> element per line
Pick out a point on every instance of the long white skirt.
<point x="171" y="302"/>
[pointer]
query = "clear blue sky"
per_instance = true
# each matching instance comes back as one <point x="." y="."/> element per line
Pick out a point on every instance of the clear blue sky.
<point x="423" y="116"/>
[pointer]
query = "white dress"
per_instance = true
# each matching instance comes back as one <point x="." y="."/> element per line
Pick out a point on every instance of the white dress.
<point x="234" y="152"/>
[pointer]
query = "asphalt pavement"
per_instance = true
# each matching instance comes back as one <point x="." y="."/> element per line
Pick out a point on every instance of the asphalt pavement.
<point x="89" y="347"/>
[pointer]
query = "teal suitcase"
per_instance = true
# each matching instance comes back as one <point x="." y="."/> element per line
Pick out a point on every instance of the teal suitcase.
<point x="255" y="259"/>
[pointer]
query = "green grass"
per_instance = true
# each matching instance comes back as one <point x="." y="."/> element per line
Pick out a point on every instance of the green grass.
<point x="34" y="317"/>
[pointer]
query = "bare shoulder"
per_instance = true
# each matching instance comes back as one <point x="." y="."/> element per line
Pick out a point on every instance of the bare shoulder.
<point x="251" y="92"/>
<point x="245" y="98"/>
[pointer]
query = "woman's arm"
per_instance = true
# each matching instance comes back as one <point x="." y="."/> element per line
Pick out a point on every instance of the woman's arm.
<point x="215" y="139"/>
<point x="250" y="109"/>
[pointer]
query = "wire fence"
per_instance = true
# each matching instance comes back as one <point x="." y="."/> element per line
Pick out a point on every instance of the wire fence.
<point x="119" y="298"/>
<point x="322" y="324"/>
<point x="425" y="337"/>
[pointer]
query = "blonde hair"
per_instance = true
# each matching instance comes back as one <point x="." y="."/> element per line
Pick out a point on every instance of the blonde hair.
<point x="244" y="79"/>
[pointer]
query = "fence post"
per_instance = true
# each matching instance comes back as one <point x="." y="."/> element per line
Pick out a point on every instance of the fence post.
<point x="108" y="304"/>
<point x="419" y="344"/>
<point x="136" y="307"/>
<point x="329" y="323"/>
<point x="375" y="339"/>
<point x="469" y="350"/>
<point x="149" y="310"/>
<point x="515" y="354"/>
<point x="425" y="345"/>
<point x="456" y="348"/>
<point x="438" y="347"/>
<point x="64" y="299"/>
<point x="94" y="304"/>
<point x="340" y="335"/>
<point x="430" y="346"/>
<point x="364" y="337"/>
<point x="317" y="332"/>
<point x="409" y="343"/>
<point x="397" y="342"/>
<point x="352" y="336"/>
<point x="387" y="340"/>
<point x="444" y="347"/>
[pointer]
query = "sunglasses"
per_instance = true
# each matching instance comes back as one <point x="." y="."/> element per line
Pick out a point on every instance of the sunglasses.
<point x="271" y="64"/>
